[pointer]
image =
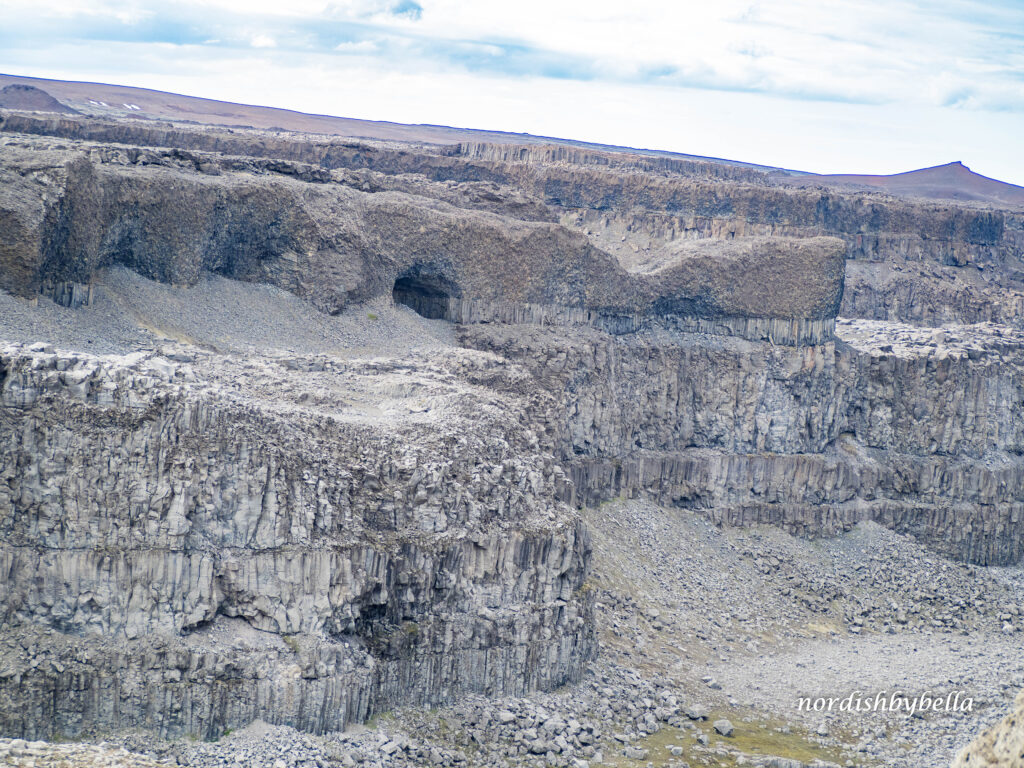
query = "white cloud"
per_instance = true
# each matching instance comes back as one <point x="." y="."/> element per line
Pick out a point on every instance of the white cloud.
<point x="263" y="41"/>
<point x="944" y="53"/>
<point x="381" y="10"/>
<point x="362" y="46"/>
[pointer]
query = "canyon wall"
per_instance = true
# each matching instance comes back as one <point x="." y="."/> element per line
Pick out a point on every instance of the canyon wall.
<point x="921" y="261"/>
<point x="813" y="439"/>
<point x="187" y="546"/>
<point x="171" y="216"/>
<point x="193" y="538"/>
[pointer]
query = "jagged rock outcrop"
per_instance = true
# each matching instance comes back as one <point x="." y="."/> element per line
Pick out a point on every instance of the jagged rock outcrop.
<point x="1001" y="746"/>
<point x="294" y="539"/>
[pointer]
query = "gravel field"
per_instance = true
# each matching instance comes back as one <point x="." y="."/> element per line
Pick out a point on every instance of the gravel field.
<point x="129" y="312"/>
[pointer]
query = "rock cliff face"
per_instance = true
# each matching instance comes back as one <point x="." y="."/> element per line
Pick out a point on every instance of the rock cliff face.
<point x="157" y="514"/>
<point x="171" y="215"/>
<point x="813" y="438"/>
<point x="192" y="538"/>
<point x="918" y="261"/>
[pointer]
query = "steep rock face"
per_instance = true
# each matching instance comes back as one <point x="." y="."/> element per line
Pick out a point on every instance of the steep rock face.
<point x="933" y="295"/>
<point x="957" y="262"/>
<point x="157" y="514"/>
<point x="171" y="216"/>
<point x="813" y="438"/>
<point x="193" y="541"/>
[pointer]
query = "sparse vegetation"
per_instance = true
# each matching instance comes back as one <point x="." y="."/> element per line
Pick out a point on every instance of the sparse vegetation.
<point x="760" y="738"/>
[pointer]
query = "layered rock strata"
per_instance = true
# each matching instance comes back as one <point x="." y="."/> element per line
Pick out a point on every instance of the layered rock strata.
<point x="921" y="261"/>
<point x="187" y="546"/>
<point x="910" y="428"/>
<point x="171" y="215"/>
<point x="194" y="540"/>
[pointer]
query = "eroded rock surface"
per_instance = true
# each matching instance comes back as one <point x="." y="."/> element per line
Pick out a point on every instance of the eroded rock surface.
<point x="813" y="439"/>
<point x="383" y="532"/>
<point x="921" y="261"/>
<point x="172" y="214"/>
<point x="1002" y="746"/>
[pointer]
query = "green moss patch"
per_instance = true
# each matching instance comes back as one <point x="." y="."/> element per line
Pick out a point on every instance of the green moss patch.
<point x="760" y="738"/>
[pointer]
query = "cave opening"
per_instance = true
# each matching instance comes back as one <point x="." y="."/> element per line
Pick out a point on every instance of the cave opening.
<point x="426" y="293"/>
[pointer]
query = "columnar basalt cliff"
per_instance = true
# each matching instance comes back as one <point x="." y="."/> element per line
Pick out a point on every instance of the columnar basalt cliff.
<point x="920" y="261"/>
<point x="814" y="439"/>
<point x="149" y="507"/>
<point x="171" y="216"/>
<point x="194" y="537"/>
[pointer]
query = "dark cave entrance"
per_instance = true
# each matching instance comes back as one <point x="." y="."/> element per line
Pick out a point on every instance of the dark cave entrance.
<point x="425" y="292"/>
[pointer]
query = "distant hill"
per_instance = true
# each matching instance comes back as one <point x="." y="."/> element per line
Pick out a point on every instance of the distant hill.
<point x="28" y="97"/>
<point x="953" y="181"/>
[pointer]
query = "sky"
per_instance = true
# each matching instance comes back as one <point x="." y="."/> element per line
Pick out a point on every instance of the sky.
<point x="829" y="86"/>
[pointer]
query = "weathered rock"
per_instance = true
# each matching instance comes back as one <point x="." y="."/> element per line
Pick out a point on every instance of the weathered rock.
<point x="697" y="712"/>
<point x="635" y="753"/>
<point x="155" y="513"/>
<point x="813" y="439"/>
<point x="74" y="210"/>
<point x="1001" y="746"/>
<point x="913" y="260"/>
<point x="192" y="541"/>
<point x="723" y="727"/>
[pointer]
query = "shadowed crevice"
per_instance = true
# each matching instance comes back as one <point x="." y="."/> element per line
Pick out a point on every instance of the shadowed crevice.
<point x="425" y="291"/>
